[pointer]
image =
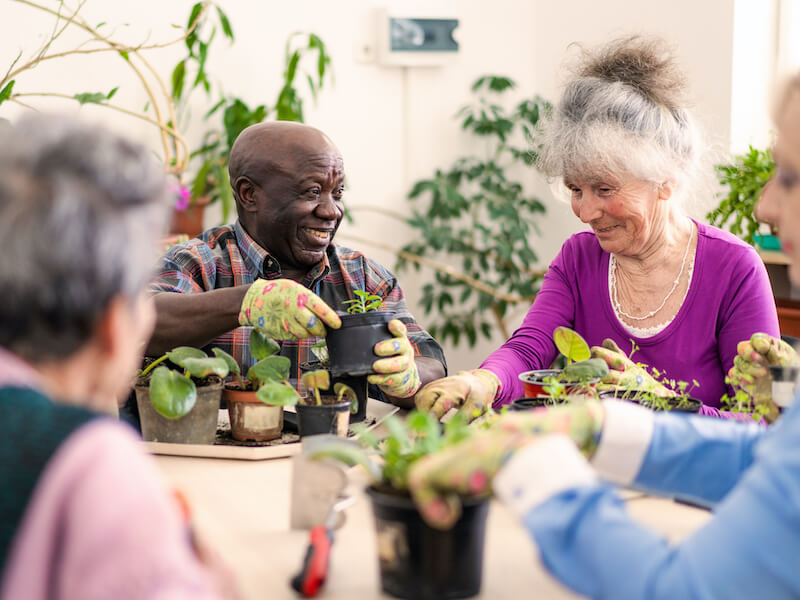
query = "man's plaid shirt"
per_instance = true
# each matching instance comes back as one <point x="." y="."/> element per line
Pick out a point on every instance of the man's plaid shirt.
<point x="227" y="256"/>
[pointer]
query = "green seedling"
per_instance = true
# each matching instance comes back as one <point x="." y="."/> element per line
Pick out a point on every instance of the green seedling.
<point x="363" y="302"/>
<point x="270" y="375"/>
<point x="321" y="380"/>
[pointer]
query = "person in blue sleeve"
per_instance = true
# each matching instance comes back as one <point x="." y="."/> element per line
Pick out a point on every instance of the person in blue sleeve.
<point x="552" y="468"/>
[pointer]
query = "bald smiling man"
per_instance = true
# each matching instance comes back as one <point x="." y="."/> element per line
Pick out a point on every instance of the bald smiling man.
<point x="288" y="183"/>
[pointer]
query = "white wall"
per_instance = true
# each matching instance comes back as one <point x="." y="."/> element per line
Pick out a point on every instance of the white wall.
<point x="395" y="125"/>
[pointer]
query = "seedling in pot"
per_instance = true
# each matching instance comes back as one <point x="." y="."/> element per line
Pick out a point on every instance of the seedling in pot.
<point x="363" y="302"/>
<point x="321" y="380"/>
<point x="173" y="393"/>
<point x="270" y="375"/>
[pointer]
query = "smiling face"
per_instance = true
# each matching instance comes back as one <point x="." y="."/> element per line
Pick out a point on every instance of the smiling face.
<point x="293" y="206"/>
<point x="780" y="201"/>
<point x="625" y="213"/>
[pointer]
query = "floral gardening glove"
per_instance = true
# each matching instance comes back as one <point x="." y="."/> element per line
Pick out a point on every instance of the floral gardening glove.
<point x="624" y="373"/>
<point x="396" y="375"/>
<point x="750" y="370"/>
<point x="472" y="391"/>
<point x="285" y="310"/>
<point x="468" y="468"/>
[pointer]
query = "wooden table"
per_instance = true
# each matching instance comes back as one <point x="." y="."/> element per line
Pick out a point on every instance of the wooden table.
<point x="242" y="507"/>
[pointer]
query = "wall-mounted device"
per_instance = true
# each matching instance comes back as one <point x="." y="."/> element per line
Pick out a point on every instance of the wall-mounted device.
<point x="415" y="41"/>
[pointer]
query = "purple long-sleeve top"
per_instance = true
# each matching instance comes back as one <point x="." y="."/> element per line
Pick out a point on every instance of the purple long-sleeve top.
<point x="729" y="299"/>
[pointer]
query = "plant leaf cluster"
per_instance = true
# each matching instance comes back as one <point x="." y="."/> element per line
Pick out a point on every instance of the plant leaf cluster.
<point x="476" y="214"/>
<point x="744" y="178"/>
<point x="270" y="375"/>
<point x="418" y="436"/>
<point x="363" y="302"/>
<point x="321" y="380"/>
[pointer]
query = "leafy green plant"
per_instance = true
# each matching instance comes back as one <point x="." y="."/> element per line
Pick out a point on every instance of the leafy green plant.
<point x="270" y="375"/>
<point x="475" y="214"/>
<point x="744" y="177"/>
<point x="173" y="393"/>
<point x="321" y="380"/>
<point x="407" y="441"/>
<point x="363" y="302"/>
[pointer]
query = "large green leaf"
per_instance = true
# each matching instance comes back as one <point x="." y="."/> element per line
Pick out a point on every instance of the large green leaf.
<point x="233" y="366"/>
<point x="172" y="394"/>
<point x="261" y="346"/>
<point x="571" y="344"/>
<point x="272" y="368"/>
<point x="275" y="393"/>
<point x="181" y="353"/>
<point x="203" y="367"/>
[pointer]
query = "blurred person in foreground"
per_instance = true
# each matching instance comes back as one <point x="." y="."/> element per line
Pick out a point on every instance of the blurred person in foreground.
<point x="548" y="467"/>
<point x="83" y="510"/>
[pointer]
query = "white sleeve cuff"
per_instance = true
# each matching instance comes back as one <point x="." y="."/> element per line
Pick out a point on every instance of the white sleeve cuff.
<point x="627" y="432"/>
<point x="543" y="468"/>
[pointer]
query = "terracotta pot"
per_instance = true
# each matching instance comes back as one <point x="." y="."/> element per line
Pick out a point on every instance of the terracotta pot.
<point x="198" y="426"/>
<point x="190" y="221"/>
<point x="533" y="383"/>
<point x="251" y="419"/>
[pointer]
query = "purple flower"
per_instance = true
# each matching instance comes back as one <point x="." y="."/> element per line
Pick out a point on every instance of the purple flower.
<point x="182" y="195"/>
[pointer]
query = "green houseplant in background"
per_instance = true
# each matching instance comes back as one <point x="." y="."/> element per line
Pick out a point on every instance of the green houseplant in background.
<point x="210" y="179"/>
<point x="476" y="215"/>
<point x="744" y="177"/>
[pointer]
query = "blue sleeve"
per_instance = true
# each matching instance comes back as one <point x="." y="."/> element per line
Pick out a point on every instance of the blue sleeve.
<point x="749" y="549"/>
<point x="697" y="458"/>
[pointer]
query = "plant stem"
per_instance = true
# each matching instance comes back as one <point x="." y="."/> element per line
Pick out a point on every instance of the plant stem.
<point x="152" y="365"/>
<point x="319" y="400"/>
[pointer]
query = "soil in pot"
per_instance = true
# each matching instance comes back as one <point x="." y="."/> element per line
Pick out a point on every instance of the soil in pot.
<point x="251" y="419"/>
<point x="535" y="382"/>
<point x="198" y="426"/>
<point x="351" y="346"/>
<point x="420" y="562"/>
<point x="329" y="417"/>
<point x="532" y="403"/>
<point x="357" y="384"/>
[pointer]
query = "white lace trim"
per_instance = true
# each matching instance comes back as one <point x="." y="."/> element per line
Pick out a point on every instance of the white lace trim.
<point x="644" y="332"/>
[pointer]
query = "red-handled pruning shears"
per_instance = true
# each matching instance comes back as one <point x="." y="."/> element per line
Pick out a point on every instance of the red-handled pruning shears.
<point x="314" y="571"/>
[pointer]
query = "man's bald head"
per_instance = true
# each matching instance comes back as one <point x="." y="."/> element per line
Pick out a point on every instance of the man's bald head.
<point x="274" y="146"/>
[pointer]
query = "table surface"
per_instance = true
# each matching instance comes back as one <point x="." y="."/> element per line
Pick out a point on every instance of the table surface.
<point x="242" y="509"/>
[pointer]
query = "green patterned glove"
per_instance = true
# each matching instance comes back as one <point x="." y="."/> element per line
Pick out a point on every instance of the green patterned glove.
<point x="473" y="391"/>
<point x="397" y="375"/>
<point x="283" y="309"/>
<point x="467" y="469"/>
<point x="624" y="373"/>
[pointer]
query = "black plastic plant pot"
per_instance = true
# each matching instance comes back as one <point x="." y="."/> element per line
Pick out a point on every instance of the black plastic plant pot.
<point x="357" y="384"/>
<point x="532" y="403"/>
<point x="313" y="419"/>
<point x="674" y="404"/>
<point x="420" y="562"/>
<point x="351" y="346"/>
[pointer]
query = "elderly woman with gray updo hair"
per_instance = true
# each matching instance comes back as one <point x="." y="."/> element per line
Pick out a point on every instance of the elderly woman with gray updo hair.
<point x="628" y="152"/>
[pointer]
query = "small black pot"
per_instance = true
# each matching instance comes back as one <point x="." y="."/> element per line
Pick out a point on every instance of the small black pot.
<point x="313" y="419"/>
<point x="351" y="346"/>
<point x="419" y="562"/>
<point x="680" y="405"/>
<point x="357" y="384"/>
<point x="531" y="403"/>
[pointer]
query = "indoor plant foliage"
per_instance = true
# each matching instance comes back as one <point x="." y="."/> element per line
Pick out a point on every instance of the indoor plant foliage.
<point x="476" y="215"/>
<point x="325" y="413"/>
<point x="358" y="383"/>
<point x="433" y="563"/>
<point x="255" y="404"/>
<point x="178" y="395"/>
<point x="744" y="177"/>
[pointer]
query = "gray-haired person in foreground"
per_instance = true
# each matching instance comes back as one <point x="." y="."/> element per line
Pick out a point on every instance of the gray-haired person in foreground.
<point x="83" y="513"/>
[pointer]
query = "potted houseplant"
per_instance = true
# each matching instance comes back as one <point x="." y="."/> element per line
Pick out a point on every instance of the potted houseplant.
<point x="358" y="384"/>
<point x="580" y="375"/>
<point x="178" y="396"/>
<point x="255" y="404"/>
<point x="324" y="413"/>
<point x="415" y="560"/>
<point x="352" y="346"/>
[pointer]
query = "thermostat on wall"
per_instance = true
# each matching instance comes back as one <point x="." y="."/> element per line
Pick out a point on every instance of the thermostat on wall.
<point x="416" y="41"/>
